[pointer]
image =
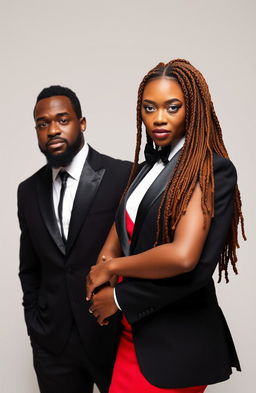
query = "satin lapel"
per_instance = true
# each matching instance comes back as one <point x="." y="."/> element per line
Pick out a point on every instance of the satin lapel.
<point x="87" y="188"/>
<point x="153" y="193"/>
<point x="121" y="227"/>
<point x="120" y="215"/>
<point x="44" y="189"/>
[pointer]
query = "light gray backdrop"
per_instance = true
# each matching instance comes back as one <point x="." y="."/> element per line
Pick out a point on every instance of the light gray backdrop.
<point x="102" y="49"/>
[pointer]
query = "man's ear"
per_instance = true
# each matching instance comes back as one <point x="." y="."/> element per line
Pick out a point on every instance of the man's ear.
<point x="83" y="124"/>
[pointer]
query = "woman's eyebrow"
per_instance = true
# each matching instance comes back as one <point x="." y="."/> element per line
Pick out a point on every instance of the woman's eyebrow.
<point x="166" y="102"/>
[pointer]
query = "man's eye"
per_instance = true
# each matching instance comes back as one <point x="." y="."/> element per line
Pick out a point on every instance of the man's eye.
<point x="149" y="108"/>
<point x="63" y="121"/>
<point x="41" y="125"/>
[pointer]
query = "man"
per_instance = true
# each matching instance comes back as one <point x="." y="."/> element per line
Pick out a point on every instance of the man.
<point x="65" y="211"/>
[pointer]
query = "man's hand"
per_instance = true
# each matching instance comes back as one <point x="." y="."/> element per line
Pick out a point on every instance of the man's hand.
<point x="103" y="305"/>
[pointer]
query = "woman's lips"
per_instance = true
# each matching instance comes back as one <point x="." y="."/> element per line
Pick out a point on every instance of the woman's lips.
<point x="161" y="133"/>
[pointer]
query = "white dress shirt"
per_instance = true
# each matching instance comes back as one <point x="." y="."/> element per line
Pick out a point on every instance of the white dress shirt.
<point x="74" y="169"/>
<point x="137" y="195"/>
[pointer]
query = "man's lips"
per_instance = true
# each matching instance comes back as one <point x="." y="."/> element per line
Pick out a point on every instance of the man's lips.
<point x="55" y="143"/>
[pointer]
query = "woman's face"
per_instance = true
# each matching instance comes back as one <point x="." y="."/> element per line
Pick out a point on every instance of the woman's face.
<point x="163" y="110"/>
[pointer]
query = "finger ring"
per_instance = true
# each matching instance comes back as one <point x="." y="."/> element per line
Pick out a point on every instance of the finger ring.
<point x="90" y="311"/>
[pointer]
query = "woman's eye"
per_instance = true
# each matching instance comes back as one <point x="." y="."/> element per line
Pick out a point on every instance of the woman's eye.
<point x="149" y="108"/>
<point x="173" y="108"/>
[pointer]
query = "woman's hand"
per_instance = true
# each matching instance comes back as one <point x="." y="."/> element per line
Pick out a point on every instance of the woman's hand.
<point x="103" y="305"/>
<point x="98" y="275"/>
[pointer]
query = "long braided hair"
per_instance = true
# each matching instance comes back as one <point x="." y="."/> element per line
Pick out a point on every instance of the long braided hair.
<point x="203" y="136"/>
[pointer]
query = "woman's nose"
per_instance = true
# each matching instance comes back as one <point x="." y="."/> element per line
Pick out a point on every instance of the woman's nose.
<point x="160" y="117"/>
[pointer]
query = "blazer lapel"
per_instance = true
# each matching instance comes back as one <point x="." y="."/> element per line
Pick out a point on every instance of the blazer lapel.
<point x="44" y="190"/>
<point x="153" y="193"/>
<point x="120" y="215"/>
<point x="88" y="185"/>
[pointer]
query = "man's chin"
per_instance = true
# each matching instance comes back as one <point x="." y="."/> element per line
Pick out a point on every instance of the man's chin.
<point x="63" y="159"/>
<point x="59" y="160"/>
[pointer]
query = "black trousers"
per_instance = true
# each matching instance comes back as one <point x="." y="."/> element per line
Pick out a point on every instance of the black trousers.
<point x="69" y="372"/>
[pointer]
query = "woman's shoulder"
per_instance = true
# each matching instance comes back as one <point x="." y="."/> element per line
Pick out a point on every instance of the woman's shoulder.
<point x="224" y="170"/>
<point x="225" y="165"/>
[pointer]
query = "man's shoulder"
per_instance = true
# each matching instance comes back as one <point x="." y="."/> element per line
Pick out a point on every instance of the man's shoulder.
<point x="112" y="162"/>
<point x="29" y="181"/>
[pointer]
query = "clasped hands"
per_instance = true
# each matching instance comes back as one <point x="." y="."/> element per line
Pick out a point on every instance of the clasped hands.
<point x="102" y="303"/>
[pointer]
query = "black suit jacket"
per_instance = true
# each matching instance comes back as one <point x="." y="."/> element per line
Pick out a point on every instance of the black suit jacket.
<point x="180" y="334"/>
<point x="52" y="276"/>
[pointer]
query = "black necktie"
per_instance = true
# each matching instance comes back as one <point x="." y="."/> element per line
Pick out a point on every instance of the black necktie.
<point x="152" y="155"/>
<point x="63" y="176"/>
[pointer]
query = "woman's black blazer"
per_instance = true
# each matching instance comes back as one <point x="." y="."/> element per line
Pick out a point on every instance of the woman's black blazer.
<point x="180" y="334"/>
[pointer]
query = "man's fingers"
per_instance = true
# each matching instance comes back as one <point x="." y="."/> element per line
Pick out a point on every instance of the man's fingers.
<point x="102" y="322"/>
<point x="96" y="314"/>
<point x="93" y="311"/>
<point x="100" y="319"/>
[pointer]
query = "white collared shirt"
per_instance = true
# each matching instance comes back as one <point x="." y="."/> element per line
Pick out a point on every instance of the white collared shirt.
<point x="74" y="170"/>
<point x="137" y="195"/>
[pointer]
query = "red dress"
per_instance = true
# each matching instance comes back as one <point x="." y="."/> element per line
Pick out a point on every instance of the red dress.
<point x="127" y="376"/>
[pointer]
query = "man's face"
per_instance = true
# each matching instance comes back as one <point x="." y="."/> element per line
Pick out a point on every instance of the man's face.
<point x="59" y="131"/>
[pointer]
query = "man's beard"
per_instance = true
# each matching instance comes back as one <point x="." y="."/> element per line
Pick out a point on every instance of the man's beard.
<point x="65" y="158"/>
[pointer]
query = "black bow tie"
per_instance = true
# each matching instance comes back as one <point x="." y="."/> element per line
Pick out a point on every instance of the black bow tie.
<point x="152" y="155"/>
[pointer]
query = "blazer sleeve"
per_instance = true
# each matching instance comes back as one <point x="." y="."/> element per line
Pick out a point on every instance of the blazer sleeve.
<point x="141" y="297"/>
<point x="29" y="271"/>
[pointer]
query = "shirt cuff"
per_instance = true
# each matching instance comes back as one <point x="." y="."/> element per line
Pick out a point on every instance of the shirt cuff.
<point x="115" y="299"/>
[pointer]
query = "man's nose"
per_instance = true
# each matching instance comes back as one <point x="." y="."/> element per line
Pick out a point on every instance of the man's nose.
<point x="53" y="129"/>
<point x="160" y="117"/>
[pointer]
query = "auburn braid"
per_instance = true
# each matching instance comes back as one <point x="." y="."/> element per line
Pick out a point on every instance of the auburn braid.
<point x="139" y="124"/>
<point x="203" y="136"/>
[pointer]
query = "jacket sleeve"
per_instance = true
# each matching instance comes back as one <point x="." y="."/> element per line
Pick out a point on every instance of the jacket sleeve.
<point x="29" y="270"/>
<point x="141" y="297"/>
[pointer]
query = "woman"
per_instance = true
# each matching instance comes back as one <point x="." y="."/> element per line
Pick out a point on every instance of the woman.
<point x="176" y="222"/>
